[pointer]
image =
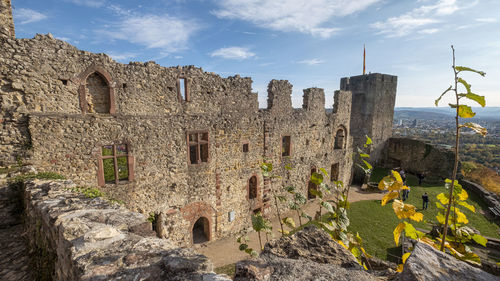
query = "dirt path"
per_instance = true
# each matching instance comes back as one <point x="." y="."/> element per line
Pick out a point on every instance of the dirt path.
<point x="225" y="251"/>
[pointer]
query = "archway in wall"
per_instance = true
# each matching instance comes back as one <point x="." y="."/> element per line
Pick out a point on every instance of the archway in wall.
<point x="201" y="231"/>
<point x="97" y="94"/>
<point x="311" y="185"/>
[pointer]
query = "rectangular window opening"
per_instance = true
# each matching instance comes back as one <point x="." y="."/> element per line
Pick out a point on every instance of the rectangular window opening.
<point x="198" y="147"/>
<point x="115" y="163"/>
<point x="183" y="89"/>
<point x="245" y="147"/>
<point x="285" y="146"/>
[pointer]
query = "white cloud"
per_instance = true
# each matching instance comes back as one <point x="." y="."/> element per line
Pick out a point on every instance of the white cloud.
<point x="419" y="19"/>
<point x="305" y="16"/>
<point x="88" y="3"/>
<point x="121" y="56"/>
<point x="487" y="20"/>
<point x="311" y="62"/>
<point x="428" y="31"/>
<point x="165" y="32"/>
<point x="238" y="53"/>
<point x="28" y="16"/>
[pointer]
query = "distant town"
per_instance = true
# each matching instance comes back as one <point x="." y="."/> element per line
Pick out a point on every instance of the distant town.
<point x="437" y="126"/>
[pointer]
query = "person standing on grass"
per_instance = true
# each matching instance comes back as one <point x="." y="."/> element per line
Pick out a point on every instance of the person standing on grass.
<point x="425" y="201"/>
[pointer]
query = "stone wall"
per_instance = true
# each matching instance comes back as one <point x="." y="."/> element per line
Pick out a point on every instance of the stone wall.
<point x="372" y="112"/>
<point x="6" y="21"/>
<point x="416" y="156"/>
<point x="72" y="237"/>
<point x="62" y="106"/>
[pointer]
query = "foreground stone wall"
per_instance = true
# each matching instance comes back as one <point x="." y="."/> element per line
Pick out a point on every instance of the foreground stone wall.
<point x="72" y="237"/>
<point x="416" y="156"/>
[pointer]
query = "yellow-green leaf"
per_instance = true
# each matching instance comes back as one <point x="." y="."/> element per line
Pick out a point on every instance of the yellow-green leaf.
<point x="368" y="165"/>
<point x="465" y="111"/>
<point x="417" y="217"/>
<point x="441" y="218"/>
<point x="397" y="176"/>
<point x="389" y="197"/>
<point x="410" y="231"/>
<point x="443" y="198"/>
<point x="397" y="232"/>
<point x="464" y="68"/>
<point x="476" y="127"/>
<point x="400" y="268"/>
<point x="467" y="205"/>
<point x="356" y="252"/>
<point x="463" y="195"/>
<point x="289" y="222"/>
<point x="466" y="85"/>
<point x="368" y="140"/>
<point x="405" y="257"/>
<point x="461" y="217"/>
<point x="437" y="101"/>
<point x="480" y="239"/>
<point x="477" y="98"/>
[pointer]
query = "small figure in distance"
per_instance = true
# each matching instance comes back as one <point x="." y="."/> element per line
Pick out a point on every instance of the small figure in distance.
<point x="403" y="175"/>
<point x="425" y="201"/>
<point x="406" y="192"/>
<point x="420" y="177"/>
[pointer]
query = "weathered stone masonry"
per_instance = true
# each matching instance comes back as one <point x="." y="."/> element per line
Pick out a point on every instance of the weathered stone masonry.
<point x="186" y="156"/>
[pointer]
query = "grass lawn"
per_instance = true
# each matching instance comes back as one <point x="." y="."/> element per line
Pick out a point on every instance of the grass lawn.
<point x="375" y="223"/>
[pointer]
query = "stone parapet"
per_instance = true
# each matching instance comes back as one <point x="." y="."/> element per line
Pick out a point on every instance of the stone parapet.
<point x="72" y="237"/>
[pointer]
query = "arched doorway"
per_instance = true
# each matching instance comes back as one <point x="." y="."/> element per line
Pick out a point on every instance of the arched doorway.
<point x="201" y="231"/>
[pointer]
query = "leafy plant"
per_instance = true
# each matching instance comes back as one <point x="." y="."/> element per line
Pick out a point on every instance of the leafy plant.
<point x="462" y="111"/>
<point x="394" y="184"/>
<point x="261" y="224"/>
<point x="243" y="241"/>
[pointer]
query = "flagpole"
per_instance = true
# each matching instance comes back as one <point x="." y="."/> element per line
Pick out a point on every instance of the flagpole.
<point x="364" y="59"/>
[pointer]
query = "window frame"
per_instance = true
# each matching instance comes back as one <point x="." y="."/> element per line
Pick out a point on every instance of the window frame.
<point x="256" y="187"/>
<point x="198" y="144"/>
<point x="101" y="181"/>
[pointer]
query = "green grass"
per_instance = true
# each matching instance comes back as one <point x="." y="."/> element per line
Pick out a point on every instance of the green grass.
<point x="229" y="270"/>
<point x="375" y="223"/>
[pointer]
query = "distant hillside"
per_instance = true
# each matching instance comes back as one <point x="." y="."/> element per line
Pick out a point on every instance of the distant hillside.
<point x="433" y="113"/>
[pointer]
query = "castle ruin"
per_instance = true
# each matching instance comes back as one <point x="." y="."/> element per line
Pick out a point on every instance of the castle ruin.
<point x="178" y="142"/>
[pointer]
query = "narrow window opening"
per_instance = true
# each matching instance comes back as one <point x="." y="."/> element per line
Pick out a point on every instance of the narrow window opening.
<point x="245" y="147"/>
<point x="339" y="139"/>
<point x="64" y="81"/>
<point x="285" y="146"/>
<point x="334" y="172"/>
<point x="97" y="94"/>
<point x="183" y="89"/>
<point x="252" y="187"/>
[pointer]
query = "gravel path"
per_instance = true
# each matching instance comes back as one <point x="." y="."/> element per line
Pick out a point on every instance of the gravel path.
<point x="225" y="251"/>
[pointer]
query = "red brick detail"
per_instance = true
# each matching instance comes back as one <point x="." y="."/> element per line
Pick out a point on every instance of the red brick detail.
<point x="171" y="211"/>
<point x="192" y="212"/>
<point x="218" y="191"/>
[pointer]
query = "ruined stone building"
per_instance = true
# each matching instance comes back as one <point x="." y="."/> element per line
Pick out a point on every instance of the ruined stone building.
<point x="176" y="141"/>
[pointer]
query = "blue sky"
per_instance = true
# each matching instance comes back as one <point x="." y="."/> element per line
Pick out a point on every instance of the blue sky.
<point x="311" y="43"/>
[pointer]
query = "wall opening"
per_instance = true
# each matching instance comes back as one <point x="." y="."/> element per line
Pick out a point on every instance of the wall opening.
<point x="311" y="186"/>
<point x="97" y="94"/>
<point x="198" y="147"/>
<point x="286" y="144"/>
<point x="245" y="147"/>
<point x="201" y="231"/>
<point x="116" y="164"/>
<point x="334" y="172"/>
<point x="182" y="89"/>
<point x="339" y="139"/>
<point x="252" y="187"/>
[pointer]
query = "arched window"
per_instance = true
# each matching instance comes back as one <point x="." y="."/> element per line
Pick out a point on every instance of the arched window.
<point x="97" y="94"/>
<point x="96" y="91"/>
<point x="252" y="187"/>
<point x="339" y="139"/>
